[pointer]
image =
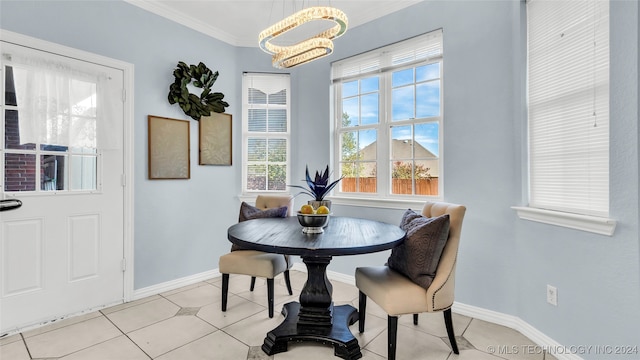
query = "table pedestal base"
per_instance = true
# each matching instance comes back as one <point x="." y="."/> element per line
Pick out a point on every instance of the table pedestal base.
<point x="338" y="334"/>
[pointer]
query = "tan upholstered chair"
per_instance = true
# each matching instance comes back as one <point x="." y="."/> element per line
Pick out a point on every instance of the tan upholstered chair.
<point x="257" y="263"/>
<point x="398" y="295"/>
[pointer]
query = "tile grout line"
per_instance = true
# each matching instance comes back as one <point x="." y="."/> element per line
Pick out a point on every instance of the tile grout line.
<point x="80" y="322"/>
<point x="176" y="314"/>
<point x="127" y="336"/>
<point x="24" y="342"/>
<point x="242" y="342"/>
<point x="190" y="342"/>
<point x="249" y="346"/>
<point x="165" y="297"/>
<point x="251" y="350"/>
<point x="217" y="329"/>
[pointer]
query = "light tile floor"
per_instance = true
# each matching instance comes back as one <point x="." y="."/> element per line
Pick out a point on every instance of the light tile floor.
<point x="187" y="324"/>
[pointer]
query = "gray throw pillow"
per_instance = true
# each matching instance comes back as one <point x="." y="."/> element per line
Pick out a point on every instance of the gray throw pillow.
<point x="248" y="212"/>
<point x="418" y="256"/>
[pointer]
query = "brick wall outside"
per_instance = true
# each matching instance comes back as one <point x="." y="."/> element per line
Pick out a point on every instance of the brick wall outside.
<point x="20" y="169"/>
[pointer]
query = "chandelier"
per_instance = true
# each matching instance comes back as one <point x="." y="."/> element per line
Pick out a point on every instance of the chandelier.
<point x="313" y="48"/>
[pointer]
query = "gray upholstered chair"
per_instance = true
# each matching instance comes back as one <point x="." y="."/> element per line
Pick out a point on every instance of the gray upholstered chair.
<point x="256" y="263"/>
<point x="398" y="295"/>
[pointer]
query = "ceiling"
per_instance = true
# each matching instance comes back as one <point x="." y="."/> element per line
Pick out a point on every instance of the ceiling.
<point x="238" y="22"/>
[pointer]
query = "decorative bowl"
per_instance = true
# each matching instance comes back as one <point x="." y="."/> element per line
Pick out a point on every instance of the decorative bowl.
<point x="313" y="223"/>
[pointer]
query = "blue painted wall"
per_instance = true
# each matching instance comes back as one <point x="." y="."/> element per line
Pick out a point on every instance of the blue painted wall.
<point x="504" y="263"/>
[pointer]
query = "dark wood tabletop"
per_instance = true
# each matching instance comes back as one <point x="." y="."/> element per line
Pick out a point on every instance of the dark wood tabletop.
<point x="342" y="236"/>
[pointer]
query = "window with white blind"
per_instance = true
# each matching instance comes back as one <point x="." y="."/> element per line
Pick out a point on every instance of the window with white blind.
<point x="265" y="132"/>
<point x="388" y="111"/>
<point x="568" y="106"/>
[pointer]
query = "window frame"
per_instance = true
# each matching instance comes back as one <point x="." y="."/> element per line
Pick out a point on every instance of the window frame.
<point x="588" y="218"/>
<point x="246" y="134"/>
<point x="383" y="195"/>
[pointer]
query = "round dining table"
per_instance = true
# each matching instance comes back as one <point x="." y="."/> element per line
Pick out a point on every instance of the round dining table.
<point x="314" y="317"/>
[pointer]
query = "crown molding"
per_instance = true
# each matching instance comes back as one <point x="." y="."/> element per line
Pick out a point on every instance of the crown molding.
<point x="183" y="19"/>
<point x="364" y="15"/>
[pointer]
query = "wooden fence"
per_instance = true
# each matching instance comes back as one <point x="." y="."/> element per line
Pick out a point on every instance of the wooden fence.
<point x="398" y="186"/>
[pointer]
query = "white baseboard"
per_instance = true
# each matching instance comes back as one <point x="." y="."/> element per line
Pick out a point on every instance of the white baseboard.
<point x="174" y="284"/>
<point x="543" y="341"/>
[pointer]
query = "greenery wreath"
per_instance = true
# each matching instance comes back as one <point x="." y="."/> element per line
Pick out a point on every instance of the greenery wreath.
<point x="191" y="104"/>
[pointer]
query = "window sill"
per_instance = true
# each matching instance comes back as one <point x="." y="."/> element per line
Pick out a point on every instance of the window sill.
<point x="594" y="224"/>
<point x="403" y="204"/>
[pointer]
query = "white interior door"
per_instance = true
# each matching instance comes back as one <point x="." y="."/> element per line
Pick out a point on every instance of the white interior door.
<point x="61" y="252"/>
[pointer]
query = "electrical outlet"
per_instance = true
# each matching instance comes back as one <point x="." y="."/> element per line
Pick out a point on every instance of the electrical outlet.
<point x="552" y="295"/>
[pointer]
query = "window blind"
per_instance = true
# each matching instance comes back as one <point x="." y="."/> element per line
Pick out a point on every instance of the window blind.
<point x="266" y="132"/>
<point x="267" y="102"/>
<point x="568" y="105"/>
<point x="422" y="48"/>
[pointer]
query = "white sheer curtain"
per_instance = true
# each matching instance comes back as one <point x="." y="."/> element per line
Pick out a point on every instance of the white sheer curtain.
<point x="62" y="105"/>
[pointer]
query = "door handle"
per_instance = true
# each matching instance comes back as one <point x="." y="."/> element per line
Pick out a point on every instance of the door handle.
<point x="10" y="204"/>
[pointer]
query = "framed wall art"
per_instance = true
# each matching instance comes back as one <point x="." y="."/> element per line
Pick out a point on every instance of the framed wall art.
<point x="168" y="148"/>
<point x="215" y="139"/>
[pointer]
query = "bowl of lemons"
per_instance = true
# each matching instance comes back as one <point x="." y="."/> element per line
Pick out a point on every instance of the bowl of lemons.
<point x="313" y="220"/>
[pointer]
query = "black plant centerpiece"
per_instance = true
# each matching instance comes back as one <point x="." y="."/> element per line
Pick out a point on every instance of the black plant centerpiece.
<point x="318" y="187"/>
